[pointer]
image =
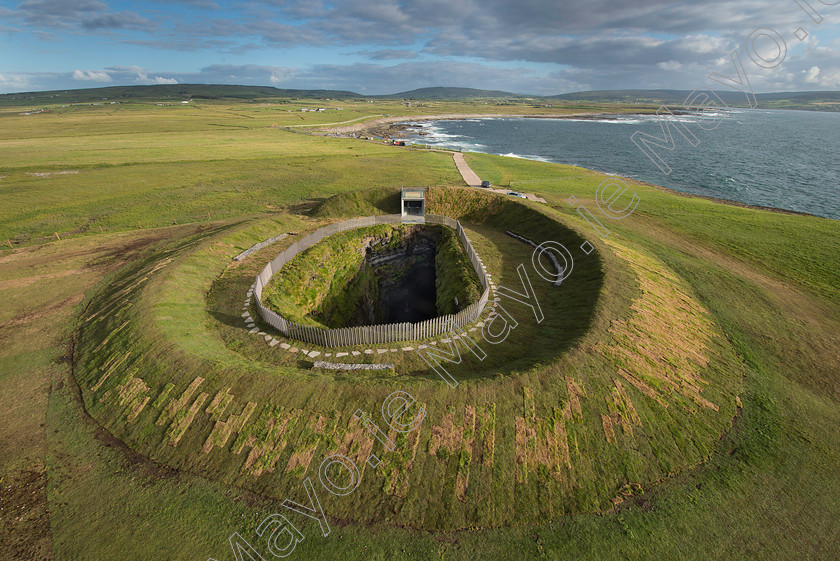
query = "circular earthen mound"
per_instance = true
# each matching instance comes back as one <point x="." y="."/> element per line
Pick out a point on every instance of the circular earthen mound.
<point x="571" y="399"/>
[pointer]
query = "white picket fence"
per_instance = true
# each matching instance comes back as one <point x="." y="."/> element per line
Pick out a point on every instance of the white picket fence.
<point x="370" y="334"/>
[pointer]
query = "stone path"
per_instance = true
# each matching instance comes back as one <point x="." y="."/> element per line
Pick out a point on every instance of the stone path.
<point x="471" y="178"/>
<point x="351" y="366"/>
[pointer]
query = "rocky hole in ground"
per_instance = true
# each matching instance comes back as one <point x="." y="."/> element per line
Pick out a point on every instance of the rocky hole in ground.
<point x="401" y="278"/>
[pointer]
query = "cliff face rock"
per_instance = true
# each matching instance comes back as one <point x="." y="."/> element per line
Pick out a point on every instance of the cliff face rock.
<point x="416" y="241"/>
<point x="396" y="282"/>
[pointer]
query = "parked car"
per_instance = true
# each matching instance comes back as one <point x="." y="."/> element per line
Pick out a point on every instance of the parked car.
<point x="485" y="184"/>
<point x="515" y="194"/>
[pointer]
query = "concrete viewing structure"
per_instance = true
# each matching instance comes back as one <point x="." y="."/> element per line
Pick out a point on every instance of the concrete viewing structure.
<point x="413" y="204"/>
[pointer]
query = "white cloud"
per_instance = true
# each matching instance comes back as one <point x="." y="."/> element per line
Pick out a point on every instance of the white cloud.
<point x="91" y="76"/>
<point x="812" y="75"/>
<point x="13" y="82"/>
<point x="669" y="65"/>
<point x="138" y="74"/>
<point x="703" y="44"/>
<point x="280" y="75"/>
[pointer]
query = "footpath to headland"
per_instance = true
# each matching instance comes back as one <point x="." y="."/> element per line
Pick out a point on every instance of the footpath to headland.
<point x="471" y="178"/>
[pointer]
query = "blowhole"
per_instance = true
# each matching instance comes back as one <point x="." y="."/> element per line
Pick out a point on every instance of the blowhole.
<point x="405" y="273"/>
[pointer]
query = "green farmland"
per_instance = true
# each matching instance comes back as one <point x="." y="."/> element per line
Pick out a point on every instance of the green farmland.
<point x="680" y="398"/>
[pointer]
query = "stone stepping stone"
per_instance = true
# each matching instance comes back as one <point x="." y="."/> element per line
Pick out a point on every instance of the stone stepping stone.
<point x="293" y="350"/>
<point x="285" y="346"/>
<point x="254" y="330"/>
<point x="381" y="351"/>
<point x="408" y="349"/>
<point x="345" y="366"/>
<point x="313" y="354"/>
<point x="339" y="355"/>
<point x="274" y="342"/>
<point x="246" y="314"/>
<point x="368" y="351"/>
<point x="262" y="333"/>
<point x="356" y="353"/>
<point x="268" y="337"/>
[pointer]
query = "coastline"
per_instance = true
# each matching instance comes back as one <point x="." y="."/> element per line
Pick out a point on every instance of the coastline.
<point x="385" y="126"/>
<point x="366" y="126"/>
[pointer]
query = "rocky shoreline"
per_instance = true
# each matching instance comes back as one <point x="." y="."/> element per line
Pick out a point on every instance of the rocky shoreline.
<point x="399" y="127"/>
<point x="392" y="126"/>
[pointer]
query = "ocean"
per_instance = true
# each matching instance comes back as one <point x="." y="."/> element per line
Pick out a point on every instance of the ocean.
<point x="781" y="159"/>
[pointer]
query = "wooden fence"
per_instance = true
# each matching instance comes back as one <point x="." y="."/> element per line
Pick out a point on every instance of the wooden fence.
<point x="370" y="334"/>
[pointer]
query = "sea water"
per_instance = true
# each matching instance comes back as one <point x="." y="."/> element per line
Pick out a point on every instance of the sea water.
<point x="783" y="159"/>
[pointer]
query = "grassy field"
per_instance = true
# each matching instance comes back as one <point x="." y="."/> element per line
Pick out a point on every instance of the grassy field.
<point x="140" y="164"/>
<point x="750" y="301"/>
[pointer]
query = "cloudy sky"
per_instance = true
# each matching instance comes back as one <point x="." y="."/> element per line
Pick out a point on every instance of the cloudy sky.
<point x="385" y="46"/>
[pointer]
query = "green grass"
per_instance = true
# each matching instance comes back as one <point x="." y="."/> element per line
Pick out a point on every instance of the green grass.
<point x="130" y="196"/>
<point x="768" y="489"/>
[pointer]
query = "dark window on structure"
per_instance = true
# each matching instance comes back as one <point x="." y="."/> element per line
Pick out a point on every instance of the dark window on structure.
<point x="414" y="208"/>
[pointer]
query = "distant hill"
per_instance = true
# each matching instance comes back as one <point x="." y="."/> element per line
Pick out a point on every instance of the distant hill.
<point x="440" y="92"/>
<point x="776" y="100"/>
<point x="823" y="101"/>
<point x="211" y="91"/>
<point x="175" y="91"/>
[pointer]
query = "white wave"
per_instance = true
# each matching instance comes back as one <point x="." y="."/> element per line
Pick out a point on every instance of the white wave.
<point x="607" y="121"/>
<point x="526" y="157"/>
<point x="437" y="135"/>
<point x="467" y="146"/>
